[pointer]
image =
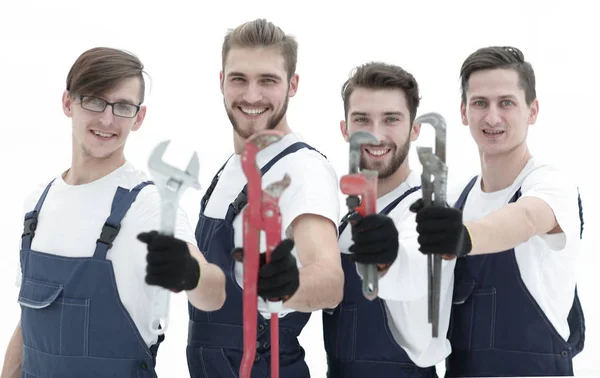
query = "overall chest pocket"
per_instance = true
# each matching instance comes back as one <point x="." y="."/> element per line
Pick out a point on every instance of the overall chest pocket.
<point x="51" y="322"/>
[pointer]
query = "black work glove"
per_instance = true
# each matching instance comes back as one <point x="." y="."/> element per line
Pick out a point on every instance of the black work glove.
<point x="280" y="278"/>
<point x="441" y="230"/>
<point x="170" y="264"/>
<point x="375" y="240"/>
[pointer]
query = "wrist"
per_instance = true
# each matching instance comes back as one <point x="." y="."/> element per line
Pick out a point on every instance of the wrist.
<point x="195" y="272"/>
<point x="465" y="245"/>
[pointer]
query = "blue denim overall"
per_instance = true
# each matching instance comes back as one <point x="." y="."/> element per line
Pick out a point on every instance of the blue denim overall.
<point x="73" y="321"/>
<point x="215" y="339"/>
<point x="358" y="339"/>
<point x="496" y="326"/>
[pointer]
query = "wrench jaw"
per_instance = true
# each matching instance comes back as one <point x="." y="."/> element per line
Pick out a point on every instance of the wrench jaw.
<point x="264" y="138"/>
<point x="254" y="144"/>
<point x="361" y="189"/>
<point x="357" y="139"/>
<point x="433" y="167"/>
<point x="276" y="189"/>
<point x="439" y="124"/>
<point x="158" y="167"/>
<point x="360" y="183"/>
<point x="272" y="224"/>
<point x="171" y="183"/>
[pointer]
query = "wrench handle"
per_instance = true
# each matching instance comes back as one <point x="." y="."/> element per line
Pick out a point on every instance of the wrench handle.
<point x="250" y="305"/>
<point x="272" y="225"/>
<point x="370" y="280"/>
<point x="435" y="297"/>
<point x="168" y="214"/>
<point x="159" y="321"/>
<point x="161" y="297"/>
<point x="434" y="192"/>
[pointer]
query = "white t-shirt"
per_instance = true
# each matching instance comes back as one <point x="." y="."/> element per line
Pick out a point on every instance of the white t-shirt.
<point x="313" y="189"/>
<point x="71" y="220"/>
<point x="547" y="263"/>
<point x="404" y="287"/>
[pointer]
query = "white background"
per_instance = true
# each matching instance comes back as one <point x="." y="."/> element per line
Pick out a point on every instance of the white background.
<point x="180" y="44"/>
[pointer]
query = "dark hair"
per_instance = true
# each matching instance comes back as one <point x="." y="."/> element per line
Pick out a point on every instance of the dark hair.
<point x="493" y="57"/>
<point x="262" y="33"/>
<point x="101" y="68"/>
<point x="377" y="75"/>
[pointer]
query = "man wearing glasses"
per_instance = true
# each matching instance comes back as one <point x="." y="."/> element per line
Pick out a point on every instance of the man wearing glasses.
<point x="88" y="254"/>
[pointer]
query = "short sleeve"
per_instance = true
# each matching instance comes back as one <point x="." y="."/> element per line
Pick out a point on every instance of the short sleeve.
<point x="560" y="193"/>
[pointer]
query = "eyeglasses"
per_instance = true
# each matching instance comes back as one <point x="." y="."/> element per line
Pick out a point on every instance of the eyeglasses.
<point x="120" y="109"/>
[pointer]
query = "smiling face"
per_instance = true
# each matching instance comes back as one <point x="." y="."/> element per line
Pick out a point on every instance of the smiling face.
<point x="256" y="89"/>
<point x="102" y="135"/>
<point x="385" y="114"/>
<point x="496" y="111"/>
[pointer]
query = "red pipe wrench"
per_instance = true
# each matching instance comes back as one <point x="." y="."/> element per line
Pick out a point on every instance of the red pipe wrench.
<point x="363" y="184"/>
<point x="261" y="214"/>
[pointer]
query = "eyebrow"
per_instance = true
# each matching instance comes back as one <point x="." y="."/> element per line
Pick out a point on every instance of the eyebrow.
<point x="121" y="100"/>
<point x="384" y="113"/>
<point x="125" y="101"/>
<point x="477" y="98"/>
<point x="264" y="75"/>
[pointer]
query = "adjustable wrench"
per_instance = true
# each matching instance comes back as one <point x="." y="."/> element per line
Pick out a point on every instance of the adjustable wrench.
<point x="362" y="184"/>
<point x="434" y="164"/>
<point x="261" y="214"/>
<point x="171" y="183"/>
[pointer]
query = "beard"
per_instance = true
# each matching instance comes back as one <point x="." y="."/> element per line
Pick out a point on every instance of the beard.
<point x="251" y="128"/>
<point x="386" y="170"/>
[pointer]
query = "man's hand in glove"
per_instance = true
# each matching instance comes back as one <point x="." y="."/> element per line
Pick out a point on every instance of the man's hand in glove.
<point x="375" y="241"/>
<point x="441" y="230"/>
<point x="280" y="278"/>
<point x="170" y="264"/>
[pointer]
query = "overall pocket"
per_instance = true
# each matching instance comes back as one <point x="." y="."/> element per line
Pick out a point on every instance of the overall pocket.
<point x="52" y="323"/>
<point x="346" y="333"/>
<point x="473" y="317"/>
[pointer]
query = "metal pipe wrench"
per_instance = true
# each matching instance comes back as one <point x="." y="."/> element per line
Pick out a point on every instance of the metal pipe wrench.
<point x="171" y="183"/>
<point x="434" y="164"/>
<point x="261" y="214"/>
<point x="363" y="184"/>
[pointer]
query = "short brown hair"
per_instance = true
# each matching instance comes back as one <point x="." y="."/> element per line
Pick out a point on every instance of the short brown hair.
<point x="377" y="75"/>
<point x="101" y="68"/>
<point x="505" y="57"/>
<point x="262" y="33"/>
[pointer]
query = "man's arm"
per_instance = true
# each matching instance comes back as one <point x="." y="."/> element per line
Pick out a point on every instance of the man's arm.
<point x="13" y="358"/>
<point x="321" y="274"/>
<point x="512" y="225"/>
<point x="209" y="295"/>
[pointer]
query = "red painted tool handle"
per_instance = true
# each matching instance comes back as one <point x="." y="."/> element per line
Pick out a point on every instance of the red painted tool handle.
<point x="251" y="229"/>
<point x="250" y="304"/>
<point x="272" y="225"/>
